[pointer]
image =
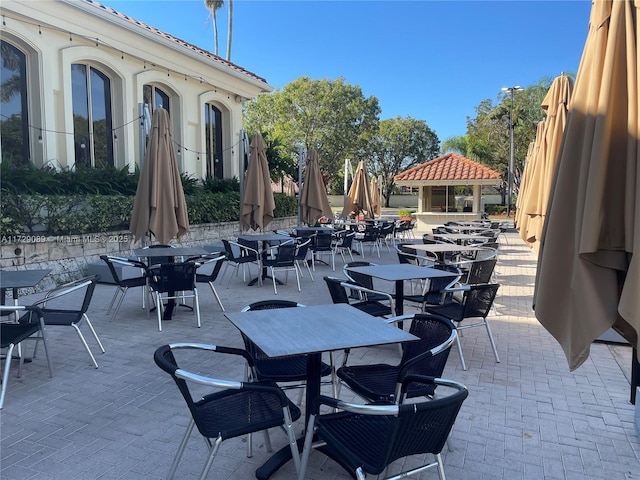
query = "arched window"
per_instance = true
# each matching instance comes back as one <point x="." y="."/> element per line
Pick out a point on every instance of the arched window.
<point x="213" y="132"/>
<point x="92" y="117"/>
<point x="154" y="98"/>
<point x="14" y="121"/>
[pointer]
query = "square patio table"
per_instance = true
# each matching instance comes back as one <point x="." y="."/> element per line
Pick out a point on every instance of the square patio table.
<point x="460" y="238"/>
<point x="398" y="273"/>
<point x="312" y="330"/>
<point x="15" y="279"/>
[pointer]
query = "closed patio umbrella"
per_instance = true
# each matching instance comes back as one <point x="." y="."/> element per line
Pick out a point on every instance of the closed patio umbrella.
<point x="358" y="199"/>
<point x="314" y="202"/>
<point x="257" y="201"/>
<point x="374" y="188"/>
<point x="159" y="206"/>
<point x="588" y="276"/>
<point x="555" y="104"/>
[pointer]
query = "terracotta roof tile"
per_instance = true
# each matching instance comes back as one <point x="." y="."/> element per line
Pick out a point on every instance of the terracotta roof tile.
<point x="195" y="48"/>
<point x="448" y="167"/>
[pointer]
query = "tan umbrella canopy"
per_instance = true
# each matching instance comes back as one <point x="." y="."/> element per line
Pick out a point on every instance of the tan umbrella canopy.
<point x="555" y="104"/>
<point x="588" y="276"/>
<point x="527" y="182"/>
<point x="374" y="188"/>
<point x="159" y="206"/>
<point x="257" y="202"/>
<point x="314" y="202"/>
<point x="520" y="217"/>
<point x="358" y="199"/>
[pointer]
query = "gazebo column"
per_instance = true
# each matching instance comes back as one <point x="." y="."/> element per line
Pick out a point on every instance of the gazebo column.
<point x="421" y="192"/>
<point x="477" y="198"/>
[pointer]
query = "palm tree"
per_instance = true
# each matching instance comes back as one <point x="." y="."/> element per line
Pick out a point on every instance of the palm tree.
<point x="213" y="6"/>
<point x="230" y="25"/>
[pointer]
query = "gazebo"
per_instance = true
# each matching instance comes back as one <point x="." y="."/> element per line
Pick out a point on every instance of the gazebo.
<point x="436" y="181"/>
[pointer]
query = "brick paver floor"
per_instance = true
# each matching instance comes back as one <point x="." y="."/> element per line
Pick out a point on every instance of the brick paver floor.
<point x="527" y="417"/>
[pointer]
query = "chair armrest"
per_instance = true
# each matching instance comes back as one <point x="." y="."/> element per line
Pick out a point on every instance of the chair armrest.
<point x="63" y="290"/>
<point x="244" y="248"/>
<point x="368" y="409"/>
<point x="365" y="291"/>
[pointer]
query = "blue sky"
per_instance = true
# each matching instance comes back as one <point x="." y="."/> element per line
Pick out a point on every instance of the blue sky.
<point x="430" y="60"/>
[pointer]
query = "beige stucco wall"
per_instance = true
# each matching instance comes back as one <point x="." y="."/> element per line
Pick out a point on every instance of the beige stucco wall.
<point x="57" y="33"/>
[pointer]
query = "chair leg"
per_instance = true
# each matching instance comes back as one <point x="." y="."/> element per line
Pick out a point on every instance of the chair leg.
<point x="297" y="278"/>
<point x="197" y="305"/>
<point x="183" y="444"/>
<point x="5" y="375"/>
<point x="440" y="466"/>
<point x="464" y="366"/>
<point x="215" y="294"/>
<point x="273" y="278"/>
<point x="491" y="340"/>
<point x="84" y="343"/>
<point x="159" y="308"/>
<point x="212" y="454"/>
<point x="115" y="295"/>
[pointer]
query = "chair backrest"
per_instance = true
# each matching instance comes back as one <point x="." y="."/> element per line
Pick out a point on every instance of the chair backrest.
<point x="285" y="255"/>
<point x="427" y="356"/>
<point x="478" y="299"/>
<point x="232" y="251"/>
<point x="480" y="271"/>
<point x="165" y="359"/>
<point x="209" y="269"/>
<point x="346" y="240"/>
<point x="252" y="244"/>
<point x="371" y="233"/>
<point x="402" y="430"/>
<point x="110" y="260"/>
<point x="302" y="247"/>
<point x="336" y="290"/>
<point x="427" y="424"/>
<point x="160" y="260"/>
<point x="256" y="353"/>
<point x="173" y="277"/>
<point x="322" y="241"/>
<point x="359" y="278"/>
<point x="407" y="255"/>
<point x="88" y="283"/>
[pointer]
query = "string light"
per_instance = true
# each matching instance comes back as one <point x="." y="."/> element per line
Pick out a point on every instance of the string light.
<point x="98" y="43"/>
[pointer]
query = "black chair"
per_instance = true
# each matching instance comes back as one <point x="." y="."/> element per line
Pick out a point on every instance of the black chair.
<point x="124" y="284"/>
<point x="302" y="250"/>
<point x="57" y="309"/>
<point x="370" y="236"/>
<point x="239" y="254"/>
<point x="476" y="302"/>
<point x="172" y="281"/>
<point x="233" y="409"/>
<point x="344" y="244"/>
<point x="322" y="243"/>
<point x="365" y="439"/>
<point x="437" y="289"/>
<point x="338" y="289"/>
<point x="207" y="270"/>
<point x="428" y="356"/>
<point x="30" y="326"/>
<point x="289" y="369"/>
<point x="284" y="259"/>
<point x="363" y="280"/>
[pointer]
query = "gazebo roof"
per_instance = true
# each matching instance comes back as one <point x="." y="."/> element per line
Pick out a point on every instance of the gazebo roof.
<point x="449" y="169"/>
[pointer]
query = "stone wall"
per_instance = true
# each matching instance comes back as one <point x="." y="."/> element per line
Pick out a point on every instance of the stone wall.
<point x="68" y="256"/>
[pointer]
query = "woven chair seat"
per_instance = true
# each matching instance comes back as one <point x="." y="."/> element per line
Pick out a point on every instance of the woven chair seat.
<point x="233" y="413"/>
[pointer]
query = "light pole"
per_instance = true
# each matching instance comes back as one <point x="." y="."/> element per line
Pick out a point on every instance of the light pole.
<point x="510" y="90"/>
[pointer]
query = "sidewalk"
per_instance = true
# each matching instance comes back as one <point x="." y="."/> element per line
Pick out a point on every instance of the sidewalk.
<point x="527" y="417"/>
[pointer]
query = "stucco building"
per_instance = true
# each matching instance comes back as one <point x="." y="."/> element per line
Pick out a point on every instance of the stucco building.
<point x="79" y="79"/>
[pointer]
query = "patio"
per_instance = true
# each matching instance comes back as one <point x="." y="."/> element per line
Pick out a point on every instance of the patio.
<point x="526" y="418"/>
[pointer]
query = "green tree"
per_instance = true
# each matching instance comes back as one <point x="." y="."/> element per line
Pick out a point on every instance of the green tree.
<point x="330" y="116"/>
<point x="399" y="144"/>
<point x="213" y="6"/>
<point x="487" y="138"/>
